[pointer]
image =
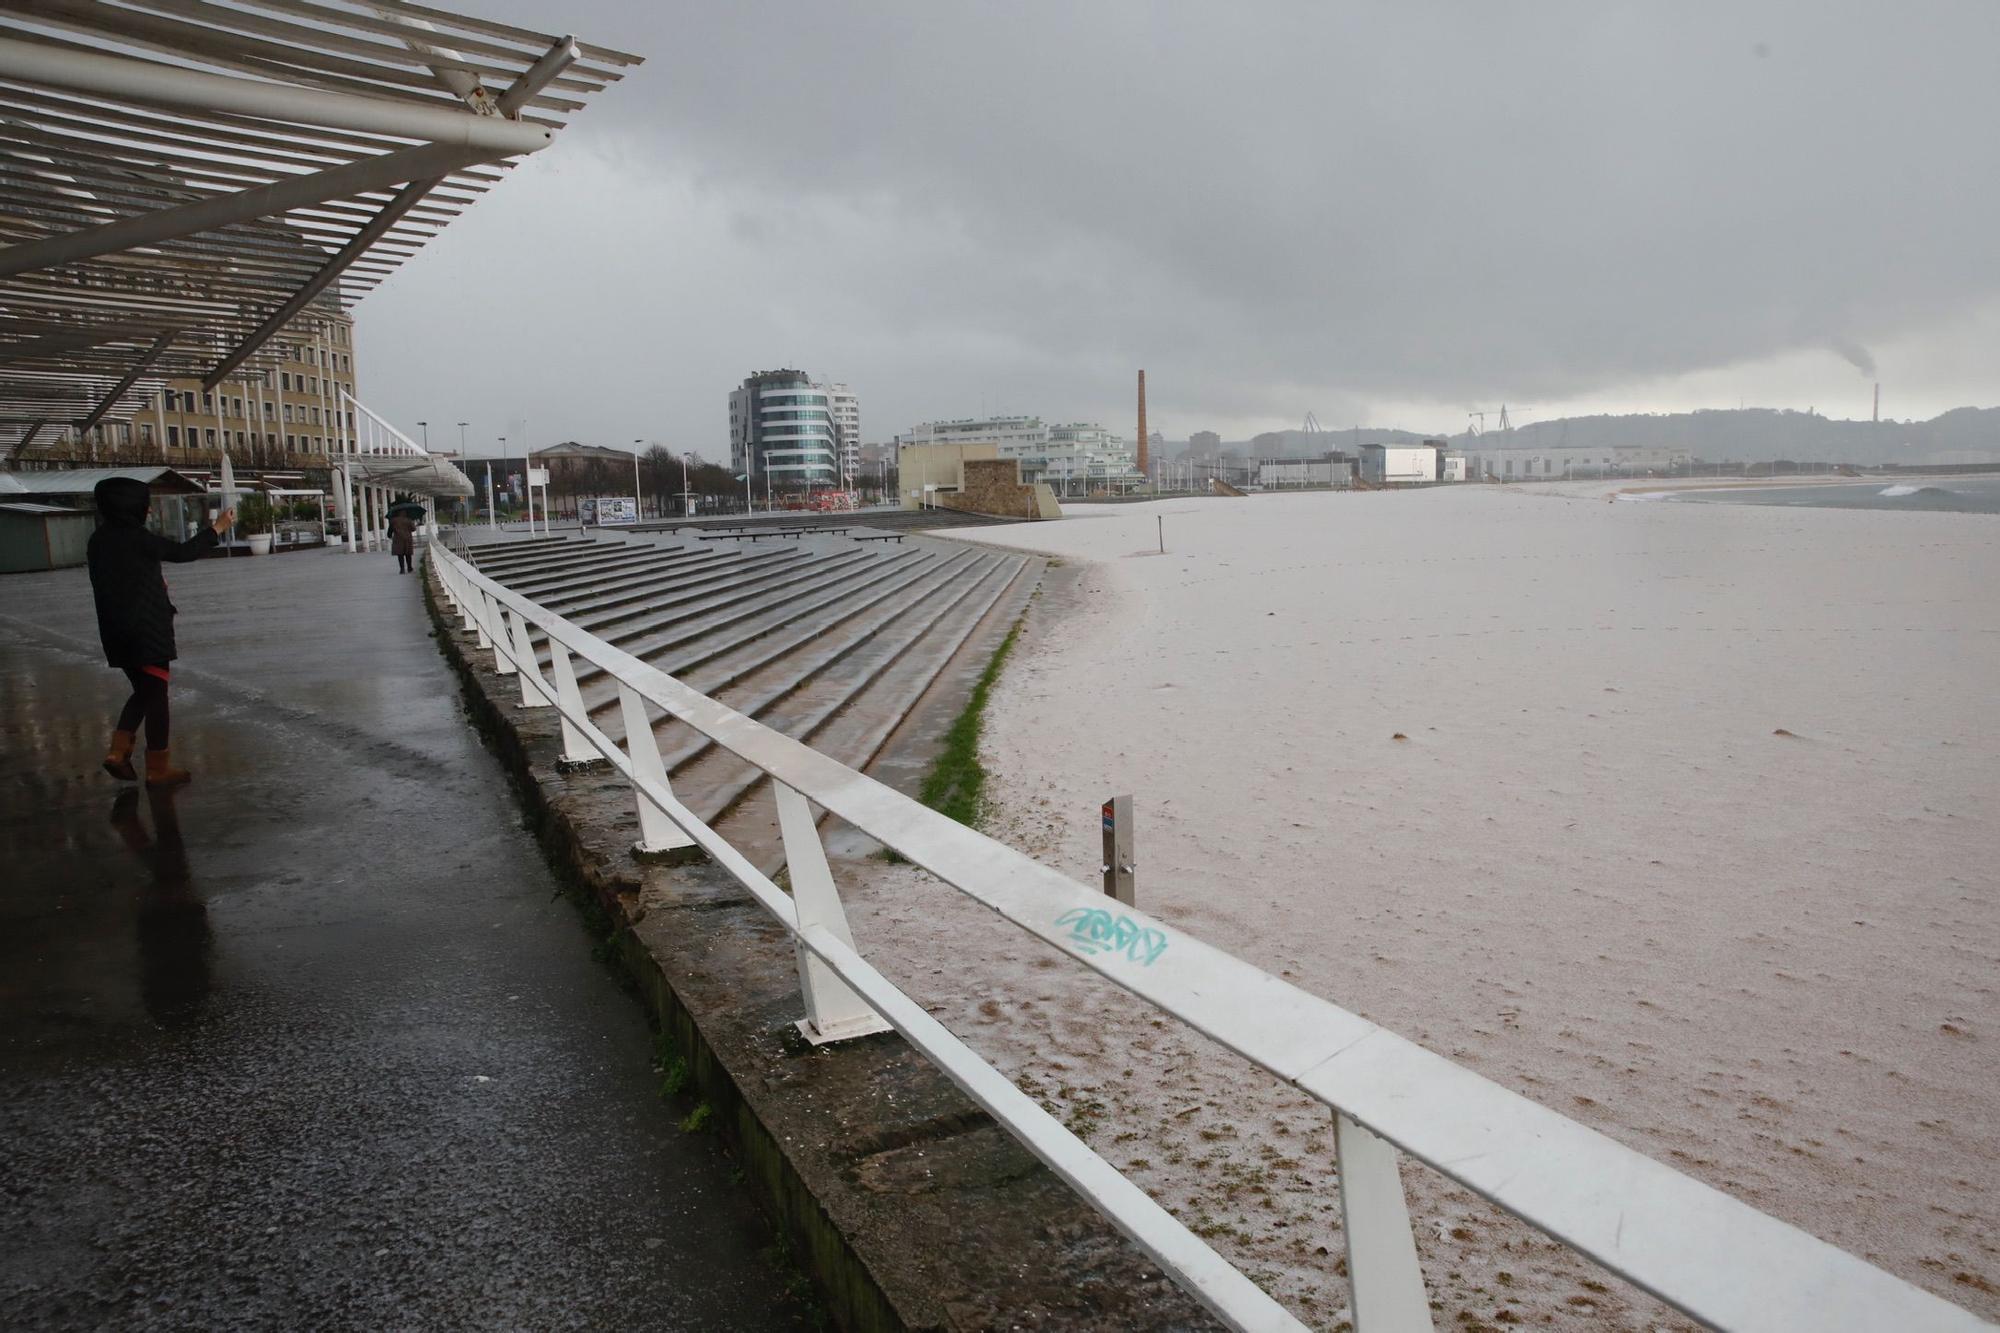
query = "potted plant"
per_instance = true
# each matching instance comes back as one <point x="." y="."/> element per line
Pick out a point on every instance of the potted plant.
<point x="253" y="520"/>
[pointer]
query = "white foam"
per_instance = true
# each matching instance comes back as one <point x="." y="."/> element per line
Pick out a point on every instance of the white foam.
<point x="1900" y="490"/>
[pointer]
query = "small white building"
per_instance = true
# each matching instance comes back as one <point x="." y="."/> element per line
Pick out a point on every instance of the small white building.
<point x="1399" y="464"/>
<point x="1279" y="473"/>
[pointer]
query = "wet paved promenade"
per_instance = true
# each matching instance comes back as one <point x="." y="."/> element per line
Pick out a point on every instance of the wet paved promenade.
<point x="313" y="1042"/>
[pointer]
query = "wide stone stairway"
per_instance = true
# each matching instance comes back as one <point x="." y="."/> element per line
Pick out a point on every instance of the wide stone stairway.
<point x="829" y="638"/>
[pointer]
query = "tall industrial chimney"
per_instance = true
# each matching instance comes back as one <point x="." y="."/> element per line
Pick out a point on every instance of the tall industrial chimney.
<point x="1145" y="452"/>
<point x="1878" y="402"/>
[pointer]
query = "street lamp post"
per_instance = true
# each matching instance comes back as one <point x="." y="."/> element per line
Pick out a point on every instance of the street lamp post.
<point x="503" y="460"/>
<point x="461" y="446"/>
<point x="425" y="426"/>
<point x="687" y="492"/>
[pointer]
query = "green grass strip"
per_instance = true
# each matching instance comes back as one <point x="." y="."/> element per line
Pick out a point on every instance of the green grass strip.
<point x="956" y="784"/>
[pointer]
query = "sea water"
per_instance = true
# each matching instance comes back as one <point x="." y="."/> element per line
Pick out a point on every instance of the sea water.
<point x="1962" y="495"/>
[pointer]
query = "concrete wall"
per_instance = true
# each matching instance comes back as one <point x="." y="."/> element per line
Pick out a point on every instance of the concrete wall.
<point x="994" y="486"/>
<point x="937" y="465"/>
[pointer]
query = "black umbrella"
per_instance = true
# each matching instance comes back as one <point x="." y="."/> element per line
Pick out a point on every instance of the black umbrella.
<point x="410" y="507"/>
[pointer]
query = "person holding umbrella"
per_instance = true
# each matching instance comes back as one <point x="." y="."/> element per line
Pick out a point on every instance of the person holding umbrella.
<point x="403" y="534"/>
<point x="135" y="619"/>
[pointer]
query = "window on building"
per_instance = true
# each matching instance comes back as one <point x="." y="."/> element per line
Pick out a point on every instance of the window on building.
<point x="146" y="434"/>
<point x="239" y="439"/>
<point x="291" y="441"/>
<point x="207" y="400"/>
<point x="288" y="411"/>
<point x="174" y="436"/>
<point x="315" y="413"/>
<point x="238" y="404"/>
<point x="209" y="435"/>
<point x="270" y="410"/>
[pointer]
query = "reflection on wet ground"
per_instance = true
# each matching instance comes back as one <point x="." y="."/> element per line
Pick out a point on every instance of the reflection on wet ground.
<point x="313" y="1040"/>
<point x="173" y="921"/>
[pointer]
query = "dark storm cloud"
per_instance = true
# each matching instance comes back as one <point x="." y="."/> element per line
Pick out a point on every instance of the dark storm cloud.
<point x="1277" y="206"/>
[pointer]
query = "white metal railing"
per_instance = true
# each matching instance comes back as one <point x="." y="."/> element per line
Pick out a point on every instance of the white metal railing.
<point x="373" y="461"/>
<point x="1711" y="1256"/>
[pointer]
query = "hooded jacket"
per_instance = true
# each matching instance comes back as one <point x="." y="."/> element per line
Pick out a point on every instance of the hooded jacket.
<point x="135" y="619"/>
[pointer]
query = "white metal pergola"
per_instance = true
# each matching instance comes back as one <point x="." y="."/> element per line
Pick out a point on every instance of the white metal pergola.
<point x="182" y="179"/>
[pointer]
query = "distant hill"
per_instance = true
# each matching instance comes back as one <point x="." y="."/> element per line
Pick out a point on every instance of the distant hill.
<point x="1762" y="434"/>
<point x="1750" y="435"/>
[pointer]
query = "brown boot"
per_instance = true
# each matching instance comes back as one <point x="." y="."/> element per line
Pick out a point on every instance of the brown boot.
<point x="118" y="759"/>
<point x="160" y="773"/>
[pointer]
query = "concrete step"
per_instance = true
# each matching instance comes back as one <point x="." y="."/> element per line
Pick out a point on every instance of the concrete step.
<point x="862" y="675"/>
<point x="743" y="618"/>
<point x="584" y="596"/>
<point x="788" y="647"/>
<point x="628" y="561"/>
<point x="650" y="630"/>
<point x="698" y="586"/>
<point x="858" y="735"/>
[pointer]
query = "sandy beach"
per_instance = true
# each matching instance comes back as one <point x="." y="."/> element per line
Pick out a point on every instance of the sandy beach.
<point x="1679" y="819"/>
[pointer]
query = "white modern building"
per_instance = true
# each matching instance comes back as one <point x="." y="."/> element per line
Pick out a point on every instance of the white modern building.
<point x="1070" y="456"/>
<point x="845" y="407"/>
<point x="1084" y="454"/>
<point x="781" y="432"/>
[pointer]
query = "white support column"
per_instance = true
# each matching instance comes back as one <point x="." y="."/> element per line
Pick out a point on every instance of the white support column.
<point x="657" y="833"/>
<point x="1382" y="1269"/>
<point x="576" y="751"/>
<point x="534" y="690"/>
<point x="833" y="1011"/>
<point x="347" y="508"/>
<point x="346" y="452"/>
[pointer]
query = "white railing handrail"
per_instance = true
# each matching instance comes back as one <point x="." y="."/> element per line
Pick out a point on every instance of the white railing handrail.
<point x="398" y="443"/>
<point x="1704" y="1252"/>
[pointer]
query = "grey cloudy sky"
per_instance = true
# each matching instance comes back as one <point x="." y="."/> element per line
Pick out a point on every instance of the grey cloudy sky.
<point x="1383" y="214"/>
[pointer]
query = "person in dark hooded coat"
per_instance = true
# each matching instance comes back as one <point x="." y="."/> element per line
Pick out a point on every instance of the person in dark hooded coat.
<point x="135" y="619"/>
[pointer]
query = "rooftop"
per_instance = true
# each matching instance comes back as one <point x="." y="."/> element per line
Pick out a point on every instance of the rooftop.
<point x="190" y="178"/>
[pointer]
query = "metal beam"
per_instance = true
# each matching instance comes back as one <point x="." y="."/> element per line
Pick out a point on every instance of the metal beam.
<point x="55" y="344"/>
<point x="152" y="354"/>
<point x="152" y="84"/>
<point x="375" y="173"/>
<point x="391" y="213"/>
<point x="537" y="76"/>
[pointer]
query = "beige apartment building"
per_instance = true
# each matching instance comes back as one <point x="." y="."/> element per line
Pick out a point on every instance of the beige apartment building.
<point x="285" y="413"/>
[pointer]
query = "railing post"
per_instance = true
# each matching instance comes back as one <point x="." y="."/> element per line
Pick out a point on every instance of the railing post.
<point x="1388" y="1285"/>
<point x="658" y="835"/>
<point x="534" y="690"/>
<point x="482" y="613"/>
<point x="496" y="630"/>
<point x="460" y="589"/>
<point x="833" y="1011"/>
<point x="576" y="752"/>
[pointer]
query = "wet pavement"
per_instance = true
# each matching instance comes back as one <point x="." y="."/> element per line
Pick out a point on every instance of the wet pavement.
<point x="314" y="1041"/>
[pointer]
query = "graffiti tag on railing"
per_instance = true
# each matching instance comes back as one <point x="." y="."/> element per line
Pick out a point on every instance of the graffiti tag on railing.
<point x="1094" y="930"/>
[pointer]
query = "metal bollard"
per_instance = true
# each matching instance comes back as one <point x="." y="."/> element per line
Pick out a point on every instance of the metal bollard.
<point x="1118" y="865"/>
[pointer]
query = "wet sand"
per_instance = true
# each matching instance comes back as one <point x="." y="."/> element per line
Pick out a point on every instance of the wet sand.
<point x="1680" y="819"/>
